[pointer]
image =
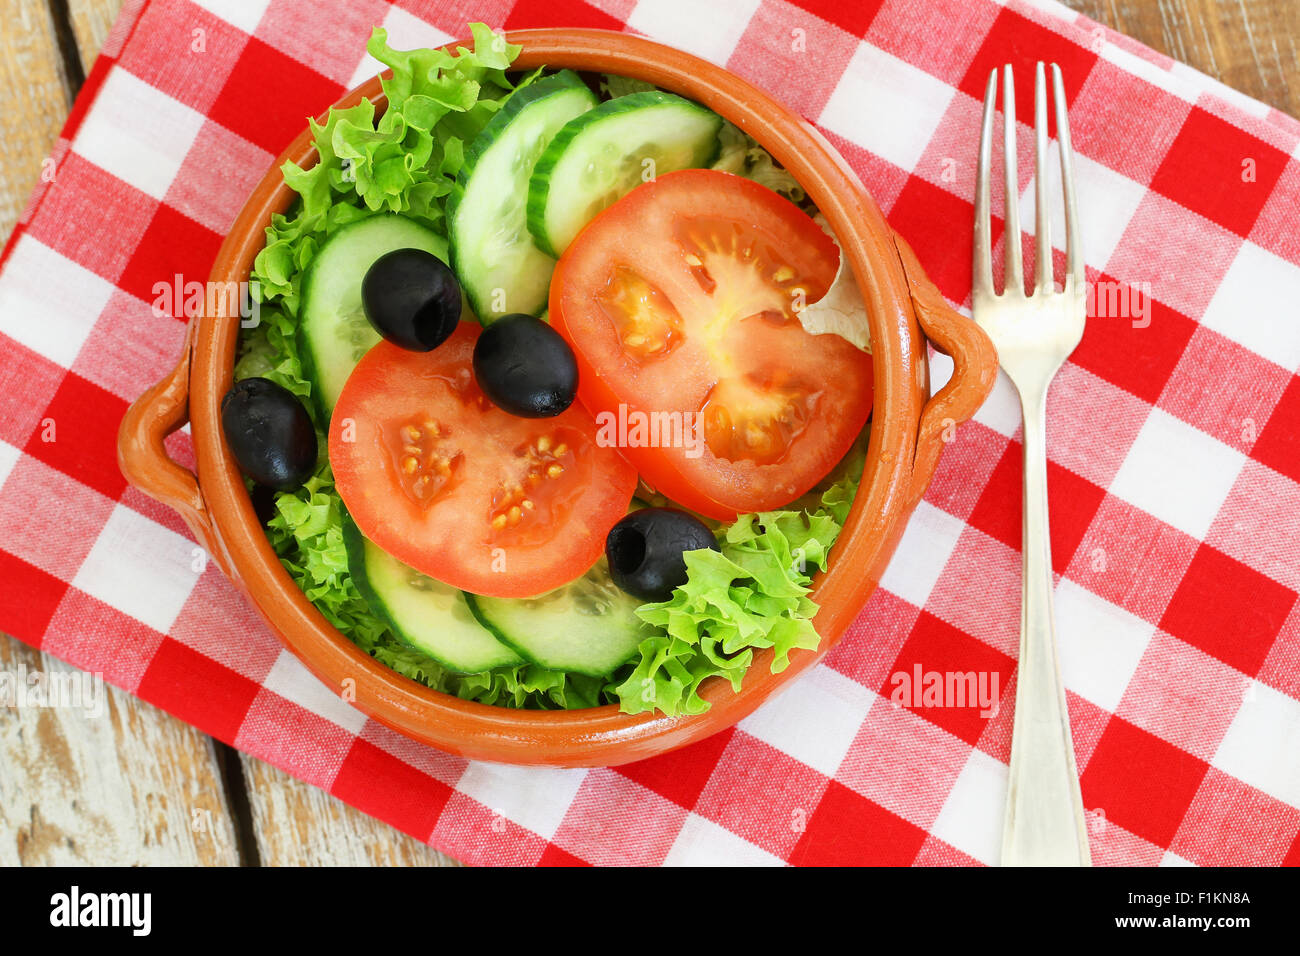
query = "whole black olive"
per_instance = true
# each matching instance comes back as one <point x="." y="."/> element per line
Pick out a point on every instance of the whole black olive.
<point x="525" y="367"/>
<point x="645" y="550"/>
<point x="269" y="433"/>
<point x="412" y="299"/>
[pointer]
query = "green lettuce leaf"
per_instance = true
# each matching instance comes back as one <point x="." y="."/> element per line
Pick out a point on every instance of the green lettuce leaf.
<point x="741" y="154"/>
<point x="614" y="86"/>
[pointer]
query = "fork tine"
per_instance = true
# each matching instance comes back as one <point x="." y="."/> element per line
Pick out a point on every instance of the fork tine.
<point x="1042" y="214"/>
<point x="982" y="276"/>
<point x="1015" y="273"/>
<point x="1073" y="246"/>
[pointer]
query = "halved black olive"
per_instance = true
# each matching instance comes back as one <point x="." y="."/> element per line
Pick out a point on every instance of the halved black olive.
<point x="412" y="299"/>
<point x="645" y="550"/>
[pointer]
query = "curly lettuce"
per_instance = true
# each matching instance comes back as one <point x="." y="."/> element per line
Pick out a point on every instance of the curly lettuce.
<point x="614" y="86"/>
<point x="741" y="154"/>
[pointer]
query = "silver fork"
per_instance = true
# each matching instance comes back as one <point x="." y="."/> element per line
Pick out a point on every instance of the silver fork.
<point x="1045" y="823"/>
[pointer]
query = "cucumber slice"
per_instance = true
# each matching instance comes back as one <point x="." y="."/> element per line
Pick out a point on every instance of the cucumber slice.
<point x="426" y="614"/>
<point x="333" y="331"/>
<point x="491" y="249"/>
<point x="604" y="154"/>
<point x="588" y="626"/>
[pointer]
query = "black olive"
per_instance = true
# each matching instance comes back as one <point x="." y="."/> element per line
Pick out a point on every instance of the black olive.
<point x="645" y="550"/>
<point x="525" y="367"/>
<point x="412" y="299"/>
<point x="269" y="433"/>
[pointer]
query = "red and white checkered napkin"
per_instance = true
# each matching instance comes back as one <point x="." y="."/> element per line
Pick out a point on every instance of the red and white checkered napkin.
<point x="1175" y="447"/>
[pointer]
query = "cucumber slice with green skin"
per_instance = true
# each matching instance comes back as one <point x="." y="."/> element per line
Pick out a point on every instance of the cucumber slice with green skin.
<point x="588" y="626"/>
<point x="333" y="331"/>
<point x="494" y="256"/>
<point x="426" y="614"/>
<point x="602" y="155"/>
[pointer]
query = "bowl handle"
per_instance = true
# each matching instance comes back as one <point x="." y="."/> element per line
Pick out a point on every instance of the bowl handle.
<point x="975" y="368"/>
<point x="144" y="460"/>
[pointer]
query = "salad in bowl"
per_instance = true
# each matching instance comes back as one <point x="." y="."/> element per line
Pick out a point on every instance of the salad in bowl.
<point x="559" y="393"/>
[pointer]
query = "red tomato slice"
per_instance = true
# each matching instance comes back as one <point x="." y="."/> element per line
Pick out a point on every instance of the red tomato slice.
<point x="680" y="303"/>
<point x="442" y="479"/>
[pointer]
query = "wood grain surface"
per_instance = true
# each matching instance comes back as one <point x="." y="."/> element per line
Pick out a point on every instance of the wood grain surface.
<point x="90" y="21"/>
<point x="136" y="786"/>
<point x="35" y="95"/>
<point x="1251" y="45"/>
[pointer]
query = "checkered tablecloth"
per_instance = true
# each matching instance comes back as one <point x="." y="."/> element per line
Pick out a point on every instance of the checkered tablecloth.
<point x="1174" y="446"/>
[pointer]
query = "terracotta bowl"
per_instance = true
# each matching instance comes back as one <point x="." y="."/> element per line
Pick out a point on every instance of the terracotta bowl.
<point x="906" y="435"/>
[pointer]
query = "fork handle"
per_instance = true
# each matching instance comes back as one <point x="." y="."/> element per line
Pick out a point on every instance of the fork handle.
<point x="1045" y="823"/>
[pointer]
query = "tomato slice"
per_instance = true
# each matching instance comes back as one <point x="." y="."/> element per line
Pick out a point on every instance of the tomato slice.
<point x="680" y="302"/>
<point x="442" y="479"/>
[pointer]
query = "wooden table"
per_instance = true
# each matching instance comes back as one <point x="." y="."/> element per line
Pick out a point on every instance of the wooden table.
<point x="137" y="786"/>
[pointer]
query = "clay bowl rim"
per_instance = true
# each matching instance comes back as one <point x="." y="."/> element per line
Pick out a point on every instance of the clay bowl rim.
<point x="594" y="736"/>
